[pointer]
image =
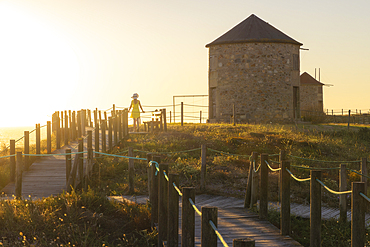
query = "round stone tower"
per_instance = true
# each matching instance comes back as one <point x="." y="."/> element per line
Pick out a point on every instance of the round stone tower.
<point x="255" y="67"/>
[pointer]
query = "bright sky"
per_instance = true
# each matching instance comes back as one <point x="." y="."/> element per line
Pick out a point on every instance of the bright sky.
<point x="68" y="54"/>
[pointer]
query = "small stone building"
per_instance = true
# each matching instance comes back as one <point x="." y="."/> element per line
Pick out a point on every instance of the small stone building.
<point x="255" y="67"/>
<point x="311" y="94"/>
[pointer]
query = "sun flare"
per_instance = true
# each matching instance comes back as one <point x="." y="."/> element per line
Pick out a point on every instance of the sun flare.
<point x="38" y="67"/>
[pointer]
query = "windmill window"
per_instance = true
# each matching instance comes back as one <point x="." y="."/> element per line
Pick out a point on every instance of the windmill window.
<point x="295" y="62"/>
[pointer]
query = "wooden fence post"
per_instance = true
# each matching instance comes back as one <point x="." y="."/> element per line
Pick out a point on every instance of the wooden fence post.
<point x="248" y="192"/>
<point x="343" y="198"/>
<point x="358" y="215"/>
<point x="115" y="129"/>
<point x="89" y="139"/>
<point x="119" y="125"/>
<point x="80" y="160"/>
<point x="161" y="121"/>
<point x="208" y="235"/>
<point x="12" y="160"/>
<point x="349" y="118"/>
<point x="284" y="194"/>
<point x="66" y="130"/>
<point x="149" y="157"/>
<point x="18" y="177"/>
<point x="164" y="119"/>
<point x="58" y="135"/>
<point x="38" y="139"/>
<point x="79" y="125"/>
<point x="173" y="212"/>
<point x="182" y="113"/>
<point x="97" y="138"/>
<point x="73" y="126"/>
<point x="315" y="209"/>
<point x="203" y="170"/>
<point x="48" y="137"/>
<point x="70" y="125"/>
<point x="131" y="171"/>
<point x="154" y="203"/>
<point x="110" y="145"/>
<point x="200" y="117"/>
<point x="103" y="136"/>
<point x="162" y="204"/>
<point x="187" y="217"/>
<point x="125" y="122"/>
<point x="364" y="172"/>
<point x="68" y="165"/>
<point x="88" y="168"/>
<point x="255" y="183"/>
<point x="26" y="149"/>
<point x="83" y="122"/>
<point x="264" y="175"/>
<point x="245" y="242"/>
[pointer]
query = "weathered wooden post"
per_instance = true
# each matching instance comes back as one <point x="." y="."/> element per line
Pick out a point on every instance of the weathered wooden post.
<point x="100" y="119"/>
<point x="38" y="139"/>
<point x="154" y="190"/>
<point x="115" y="129"/>
<point x="208" y="235"/>
<point x="187" y="217"/>
<point x="18" y="177"/>
<point x="343" y="197"/>
<point x="182" y="113"/>
<point x="173" y="212"/>
<point x="119" y="125"/>
<point x="125" y="122"/>
<point x="89" y="123"/>
<point x="83" y="122"/>
<point x="89" y="139"/>
<point x="80" y="161"/>
<point x="255" y="183"/>
<point x="162" y="204"/>
<point x="70" y="125"/>
<point x="358" y="215"/>
<point x="349" y="118"/>
<point x="248" y="192"/>
<point x="161" y="121"/>
<point x="284" y="194"/>
<point x="110" y="129"/>
<point x="66" y="130"/>
<point x="88" y="169"/>
<point x="97" y="138"/>
<point x="149" y="157"/>
<point x="103" y="136"/>
<point x="68" y="164"/>
<point x="58" y="134"/>
<point x="164" y="119"/>
<point x="26" y="149"/>
<point x="73" y="134"/>
<point x="315" y="209"/>
<point x="131" y="171"/>
<point x="364" y="172"/>
<point x="245" y="242"/>
<point x="12" y="160"/>
<point x="200" y="117"/>
<point x="264" y="175"/>
<point x="48" y="137"/>
<point x="203" y="169"/>
<point x="79" y="125"/>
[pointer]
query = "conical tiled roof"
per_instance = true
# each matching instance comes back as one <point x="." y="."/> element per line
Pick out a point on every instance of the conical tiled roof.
<point x="307" y="79"/>
<point x="253" y="29"/>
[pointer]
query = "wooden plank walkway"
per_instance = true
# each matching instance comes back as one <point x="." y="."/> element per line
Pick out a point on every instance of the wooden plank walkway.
<point x="233" y="221"/>
<point x="47" y="175"/>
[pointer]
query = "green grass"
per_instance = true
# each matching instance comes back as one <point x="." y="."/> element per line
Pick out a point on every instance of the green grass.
<point x="82" y="219"/>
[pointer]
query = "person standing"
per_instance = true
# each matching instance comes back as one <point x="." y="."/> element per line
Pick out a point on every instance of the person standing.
<point x="135" y="113"/>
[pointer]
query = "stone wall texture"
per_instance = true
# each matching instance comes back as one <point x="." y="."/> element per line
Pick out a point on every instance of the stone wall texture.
<point x="311" y="98"/>
<point x="258" y="78"/>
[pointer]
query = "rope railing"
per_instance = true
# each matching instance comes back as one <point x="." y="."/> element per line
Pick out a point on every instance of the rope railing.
<point x="358" y="173"/>
<point x="218" y="234"/>
<point x="333" y="191"/>
<point x="297" y="179"/>
<point x="225" y="153"/>
<point x="195" y="207"/>
<point x="272" y="169"/>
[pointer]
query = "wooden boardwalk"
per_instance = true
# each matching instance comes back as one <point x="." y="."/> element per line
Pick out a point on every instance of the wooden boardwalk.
<point x="233" y="221"/>
<point x="47" y="175"/>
